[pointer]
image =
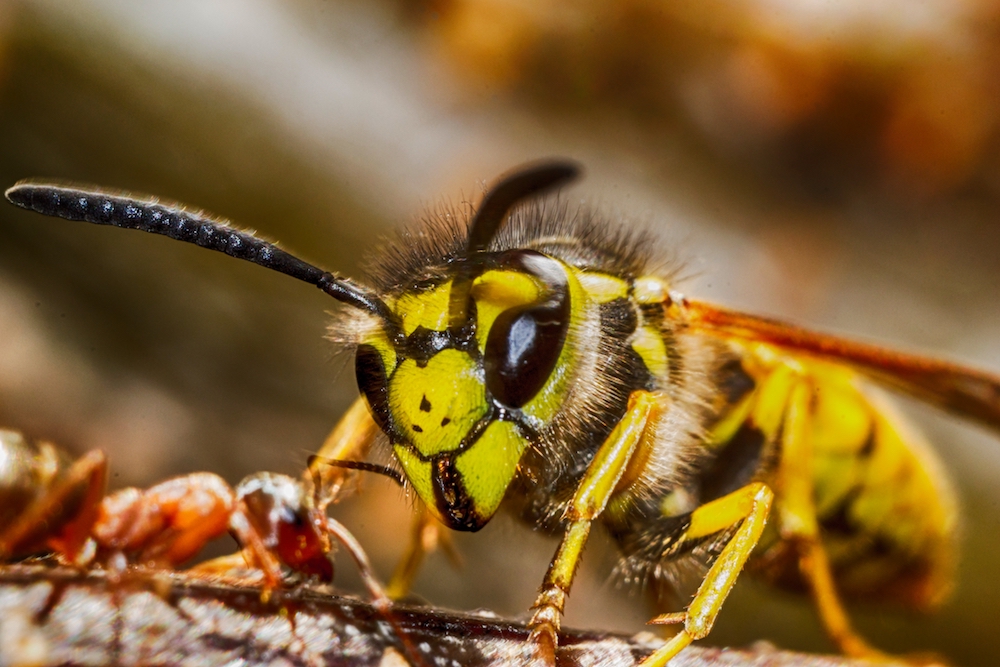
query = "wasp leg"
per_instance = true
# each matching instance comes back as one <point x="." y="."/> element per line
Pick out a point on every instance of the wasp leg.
<point x="350" y="439"/>
<point x="427" y="535"/>
<point x="596" y="488"/>
<point x="799" y="525"/>
<point x="87" y="474"/>
<point x="748" y="508"/>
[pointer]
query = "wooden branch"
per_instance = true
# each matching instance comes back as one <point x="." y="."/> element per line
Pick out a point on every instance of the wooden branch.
<point x="56" y="616"/>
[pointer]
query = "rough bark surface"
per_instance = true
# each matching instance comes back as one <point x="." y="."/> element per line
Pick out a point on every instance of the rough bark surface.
<point x="55" y="616"/>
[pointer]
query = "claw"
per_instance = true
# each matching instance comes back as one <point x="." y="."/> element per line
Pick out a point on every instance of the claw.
<point x="543" y="642"/>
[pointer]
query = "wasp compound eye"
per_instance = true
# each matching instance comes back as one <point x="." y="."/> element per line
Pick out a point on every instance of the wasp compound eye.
<point x="525" y="342"/>
<point x="373" y="383"/>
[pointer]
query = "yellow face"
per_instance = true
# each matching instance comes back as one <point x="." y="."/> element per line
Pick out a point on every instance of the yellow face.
<point x="462" y="388"/>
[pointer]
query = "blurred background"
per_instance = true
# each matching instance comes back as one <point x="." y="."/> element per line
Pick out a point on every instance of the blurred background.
<point x="832" y="163"/>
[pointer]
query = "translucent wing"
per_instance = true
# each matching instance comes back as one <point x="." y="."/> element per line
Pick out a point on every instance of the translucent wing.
<point x="964" y="391"/>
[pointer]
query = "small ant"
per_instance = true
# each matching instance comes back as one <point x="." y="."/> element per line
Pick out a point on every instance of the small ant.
<point x="50" y="504"/>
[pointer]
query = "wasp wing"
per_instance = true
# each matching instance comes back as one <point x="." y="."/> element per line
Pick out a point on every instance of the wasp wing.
<point x="964" y="391"/>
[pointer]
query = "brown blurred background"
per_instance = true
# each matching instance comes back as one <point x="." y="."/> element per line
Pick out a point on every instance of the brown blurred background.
<point x="836" y="164"/>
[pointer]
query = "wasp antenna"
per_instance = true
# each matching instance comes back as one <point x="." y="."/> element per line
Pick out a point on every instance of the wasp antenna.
<point x="118" y="209"/>
<point x="526" y="181"/>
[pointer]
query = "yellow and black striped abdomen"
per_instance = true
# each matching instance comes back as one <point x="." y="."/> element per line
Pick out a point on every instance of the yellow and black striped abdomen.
<point x="885" y="511"/>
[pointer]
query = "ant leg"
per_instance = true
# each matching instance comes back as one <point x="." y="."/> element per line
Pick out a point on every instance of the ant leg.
<point x="380" y="598"/>
<point x="252" y="546"/>
<point x="234" y="565"/>
<point x="71" y="504"/>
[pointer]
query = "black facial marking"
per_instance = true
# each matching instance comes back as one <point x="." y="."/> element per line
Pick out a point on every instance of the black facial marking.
<point x="424" y="343"/>
<point x="471" y="436"/>
<point x="451" y="498"/>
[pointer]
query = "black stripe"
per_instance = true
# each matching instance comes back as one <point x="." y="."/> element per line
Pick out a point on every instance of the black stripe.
<point x="451" y="497"/>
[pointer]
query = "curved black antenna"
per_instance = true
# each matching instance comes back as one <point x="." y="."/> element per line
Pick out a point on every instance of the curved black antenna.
<point x="529" y="180"/>
<point x="363" y="466"/>
<point x="149" y="215"/>
<point x="526" y="181"/>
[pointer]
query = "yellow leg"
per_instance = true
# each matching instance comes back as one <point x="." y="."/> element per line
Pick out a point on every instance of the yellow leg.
<point x="426" y="536"/>
<point x="816" y="570"/>
<point x="596" y="488"/>
<point x="797" y="512"/>
<point x="748" y="508"/>
<point x="350" y="439"/>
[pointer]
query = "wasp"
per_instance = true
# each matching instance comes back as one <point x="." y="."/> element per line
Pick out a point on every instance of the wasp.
<point x="526" y="355"/>
<point x="55" y="505"/>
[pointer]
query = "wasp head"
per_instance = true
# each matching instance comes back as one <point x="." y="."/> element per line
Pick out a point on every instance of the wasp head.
<point x="467" y="371"/>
